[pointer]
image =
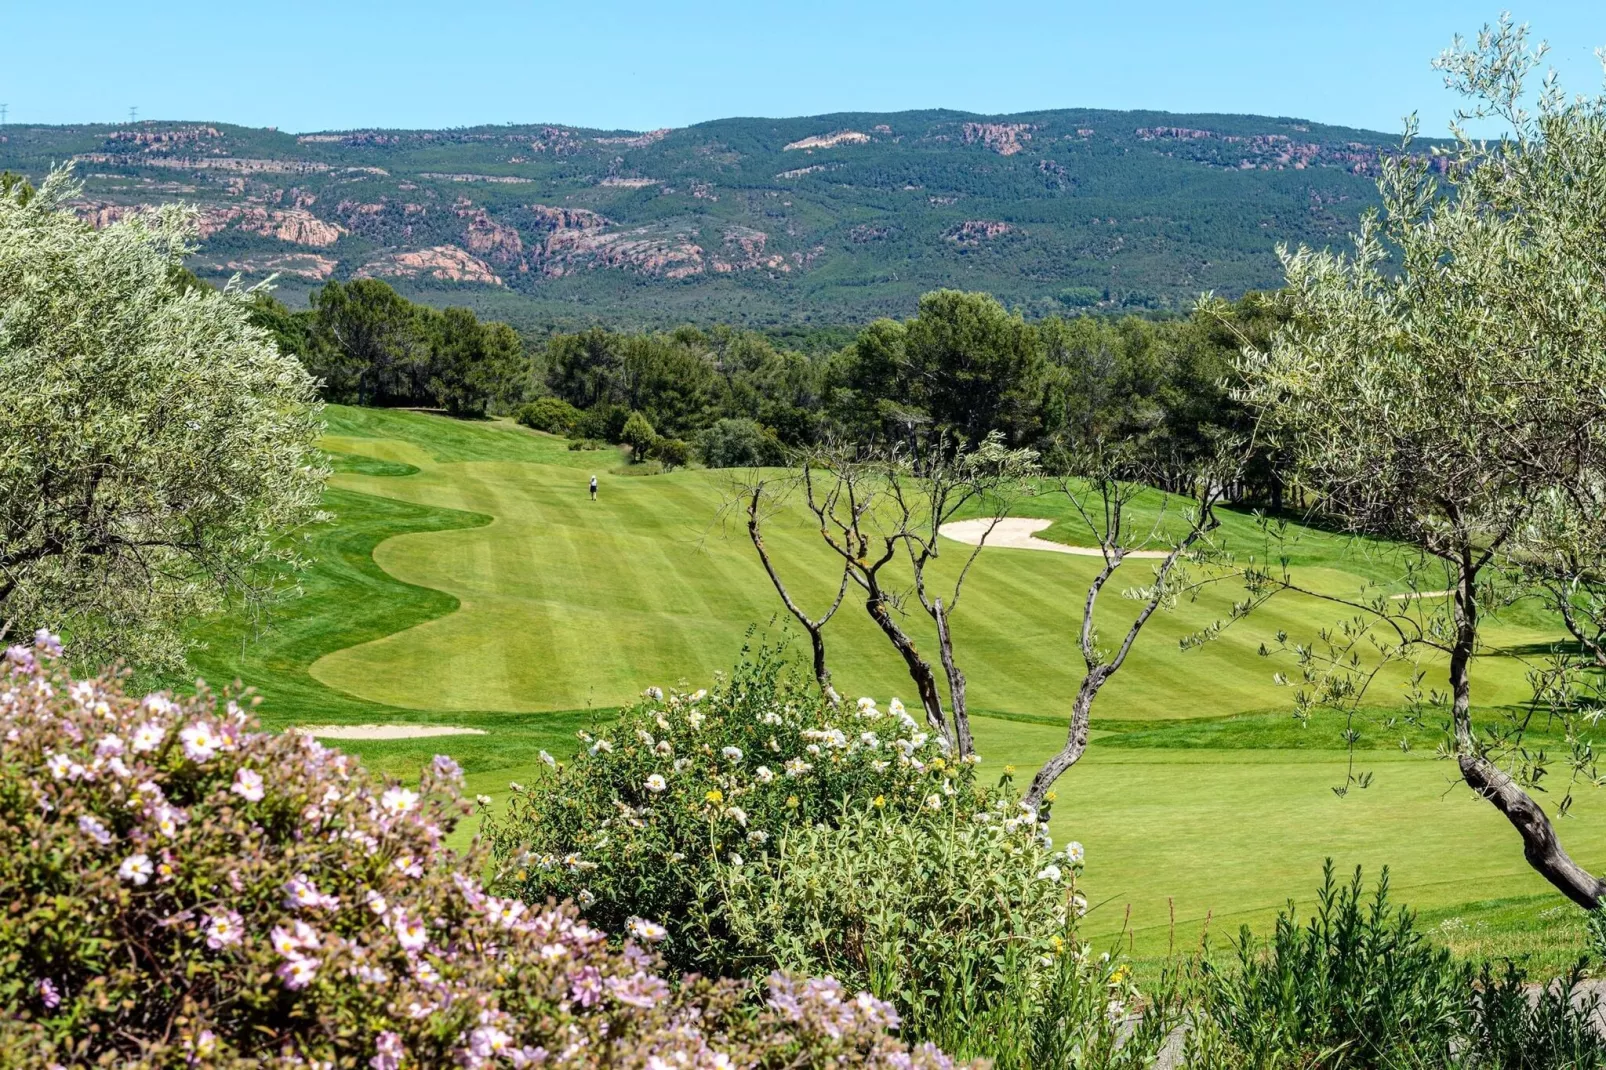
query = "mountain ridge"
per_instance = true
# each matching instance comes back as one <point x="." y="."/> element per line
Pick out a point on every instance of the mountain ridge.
<point x="764" y="221"/>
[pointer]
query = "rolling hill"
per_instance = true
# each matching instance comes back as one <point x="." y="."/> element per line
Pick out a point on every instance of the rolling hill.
<point x="826" y="220"/>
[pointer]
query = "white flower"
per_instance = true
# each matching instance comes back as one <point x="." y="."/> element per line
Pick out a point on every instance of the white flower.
<point x="797" y="767"/>
<point x="1078" y="906"/>
<point x="757" y="836"/>
<point x="601" y="746"/>
<point x="738" y="815"/>
<point x="772" y="718"/>
<point x="398" y="801"/>
<point x="548" y="759"/>
<point x="880" y="767"/>
<point x="1049" y="873"/>
<point x="733" y="754"/>
<point x="376" y="903"/>
<point x="682" y="764"/>
<point x="736" y="859"/>
<point x="58" y="764"/>
<point x="867" y="704"/>
<point x="585" y="898"/>
<point x="763" y="774"/>
<point x="664" y="748"/>
<point x="656" y="782"/>
<point x="136" y="868"/>
<point x="1074" y="853"/>
<point x="148" y="737"/>
<point x="200" y="742"/>
<point x="934" y="801"/>
<point x="695" y="719"/>
<point x="248" y="785"/>
<point x="654" y="694"/>
<point x="646" y="930"/>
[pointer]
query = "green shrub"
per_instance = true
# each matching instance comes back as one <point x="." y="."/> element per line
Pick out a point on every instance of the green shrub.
<point x="639" y="436"/>
<point x="605" y="422"/>
<point x="738" y="443"/>
<point x="183" y="889"/>
<point x="553" y="415"/>
<point x="587" y="444"/>
<point x="671" y="452"/>
<point x="963" y="916"/>
<point x="640" y="822"/>
<point x="1359" y="986"/>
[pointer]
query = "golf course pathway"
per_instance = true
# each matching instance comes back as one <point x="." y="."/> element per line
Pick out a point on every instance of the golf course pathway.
<point x="1020" y="533"/>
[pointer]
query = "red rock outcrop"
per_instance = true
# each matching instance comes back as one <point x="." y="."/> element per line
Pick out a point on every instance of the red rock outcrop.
<point x="448" y="263"/>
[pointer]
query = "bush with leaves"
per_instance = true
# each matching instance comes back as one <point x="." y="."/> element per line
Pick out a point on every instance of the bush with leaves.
<point x="738" y="443"/>
<point x="963" y="916"/>
<point x="641" y="822"/>
<point x="552" y="415"/>
<point x="1360" y="986"/>
<point x="183" y="889"/>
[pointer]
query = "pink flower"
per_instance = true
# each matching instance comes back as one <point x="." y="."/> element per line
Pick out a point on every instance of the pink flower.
<point x="49" y="994"/>
<point x="410" y="932"/>
<point x="298" y="972"/>
<point x="585" y="987"/>
<point x="638" y="990"/>
<point x="301" y="894"/>
<point x="248" y="785"/>
<point x="94" y="830"/>
<point x="201" y="743"/>
<point x="389" y="1051"/>
<point x="224" y="930"/>
<point x="398" y="801"/>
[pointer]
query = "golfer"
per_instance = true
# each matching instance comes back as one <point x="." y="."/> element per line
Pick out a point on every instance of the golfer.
<point x="593" y="488"/>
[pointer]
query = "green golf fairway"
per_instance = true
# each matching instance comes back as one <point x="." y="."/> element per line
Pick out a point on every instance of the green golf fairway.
<point x="467" y="579"/>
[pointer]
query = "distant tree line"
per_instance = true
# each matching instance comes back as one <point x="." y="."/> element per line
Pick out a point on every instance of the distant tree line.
<point x="963" y="366"/>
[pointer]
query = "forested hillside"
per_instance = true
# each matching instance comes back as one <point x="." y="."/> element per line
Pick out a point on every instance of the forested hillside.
<point x="829" y="219"/>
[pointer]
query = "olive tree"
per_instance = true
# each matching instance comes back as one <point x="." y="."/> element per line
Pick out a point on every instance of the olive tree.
<point x="154" y="445"/>
<point x="1444" y="384"/>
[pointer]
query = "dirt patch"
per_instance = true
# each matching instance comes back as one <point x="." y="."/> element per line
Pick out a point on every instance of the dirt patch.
<point x="1020" y="533"/>
<point x="385" y="731"/>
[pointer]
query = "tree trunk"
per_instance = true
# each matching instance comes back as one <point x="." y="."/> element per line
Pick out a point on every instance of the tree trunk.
<point x="1075" y="738"/>
<point x="1540" y="846"/>
<point x="925" y="680"/>
<point x="956" y="682"/>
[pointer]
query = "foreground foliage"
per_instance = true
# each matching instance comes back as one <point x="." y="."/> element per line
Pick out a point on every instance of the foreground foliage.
<point x="1359" y="985"/>
<point x="154" y="444"/>
<point x="772" y="830"/>
<point x="183" y="889"/>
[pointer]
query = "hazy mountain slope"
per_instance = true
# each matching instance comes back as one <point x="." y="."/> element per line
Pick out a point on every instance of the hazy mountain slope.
<point x="822" y="219"/>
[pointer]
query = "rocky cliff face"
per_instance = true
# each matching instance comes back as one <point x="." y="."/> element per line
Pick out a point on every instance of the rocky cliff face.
<point x="445" y="263"/>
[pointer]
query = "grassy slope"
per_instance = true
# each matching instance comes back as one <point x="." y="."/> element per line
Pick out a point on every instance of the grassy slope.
<point x="467" y="580"/>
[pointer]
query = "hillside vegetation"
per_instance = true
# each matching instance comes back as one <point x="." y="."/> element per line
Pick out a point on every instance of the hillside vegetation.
<point x="819" y="220"/>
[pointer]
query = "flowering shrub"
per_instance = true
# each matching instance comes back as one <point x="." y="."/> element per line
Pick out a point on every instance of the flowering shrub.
<point x="182" y="889"/>
<point x="643" y="820"/>
<point x="964" y="917"/>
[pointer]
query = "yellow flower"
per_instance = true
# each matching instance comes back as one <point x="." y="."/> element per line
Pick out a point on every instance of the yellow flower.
<point x="1050" y="797"/>
<point x="879" y="801"/>
<point x="1057" y="943"/>
<point x="937" y="763"/>
<point x="791" y="800"/>
<point x="1120" y="975"/>
<point x="1009" y="770"/>
<point x="715" y="796"/>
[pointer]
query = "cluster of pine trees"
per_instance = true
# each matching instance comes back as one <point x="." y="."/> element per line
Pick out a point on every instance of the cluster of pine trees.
<point x="962" y="366"/>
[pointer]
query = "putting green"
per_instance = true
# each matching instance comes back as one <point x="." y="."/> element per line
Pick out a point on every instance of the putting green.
<point x="468" y="580"/>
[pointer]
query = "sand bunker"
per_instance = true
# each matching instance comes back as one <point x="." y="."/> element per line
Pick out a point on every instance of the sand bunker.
<point x="385" y="731"/>
<point x="1020" y="533"/>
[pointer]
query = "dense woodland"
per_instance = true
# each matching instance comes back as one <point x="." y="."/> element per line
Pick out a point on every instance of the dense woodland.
<point x="963" y="366"/>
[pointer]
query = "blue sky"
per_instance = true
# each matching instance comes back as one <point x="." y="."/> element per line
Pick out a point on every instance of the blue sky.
<point x="635" y="65"/>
